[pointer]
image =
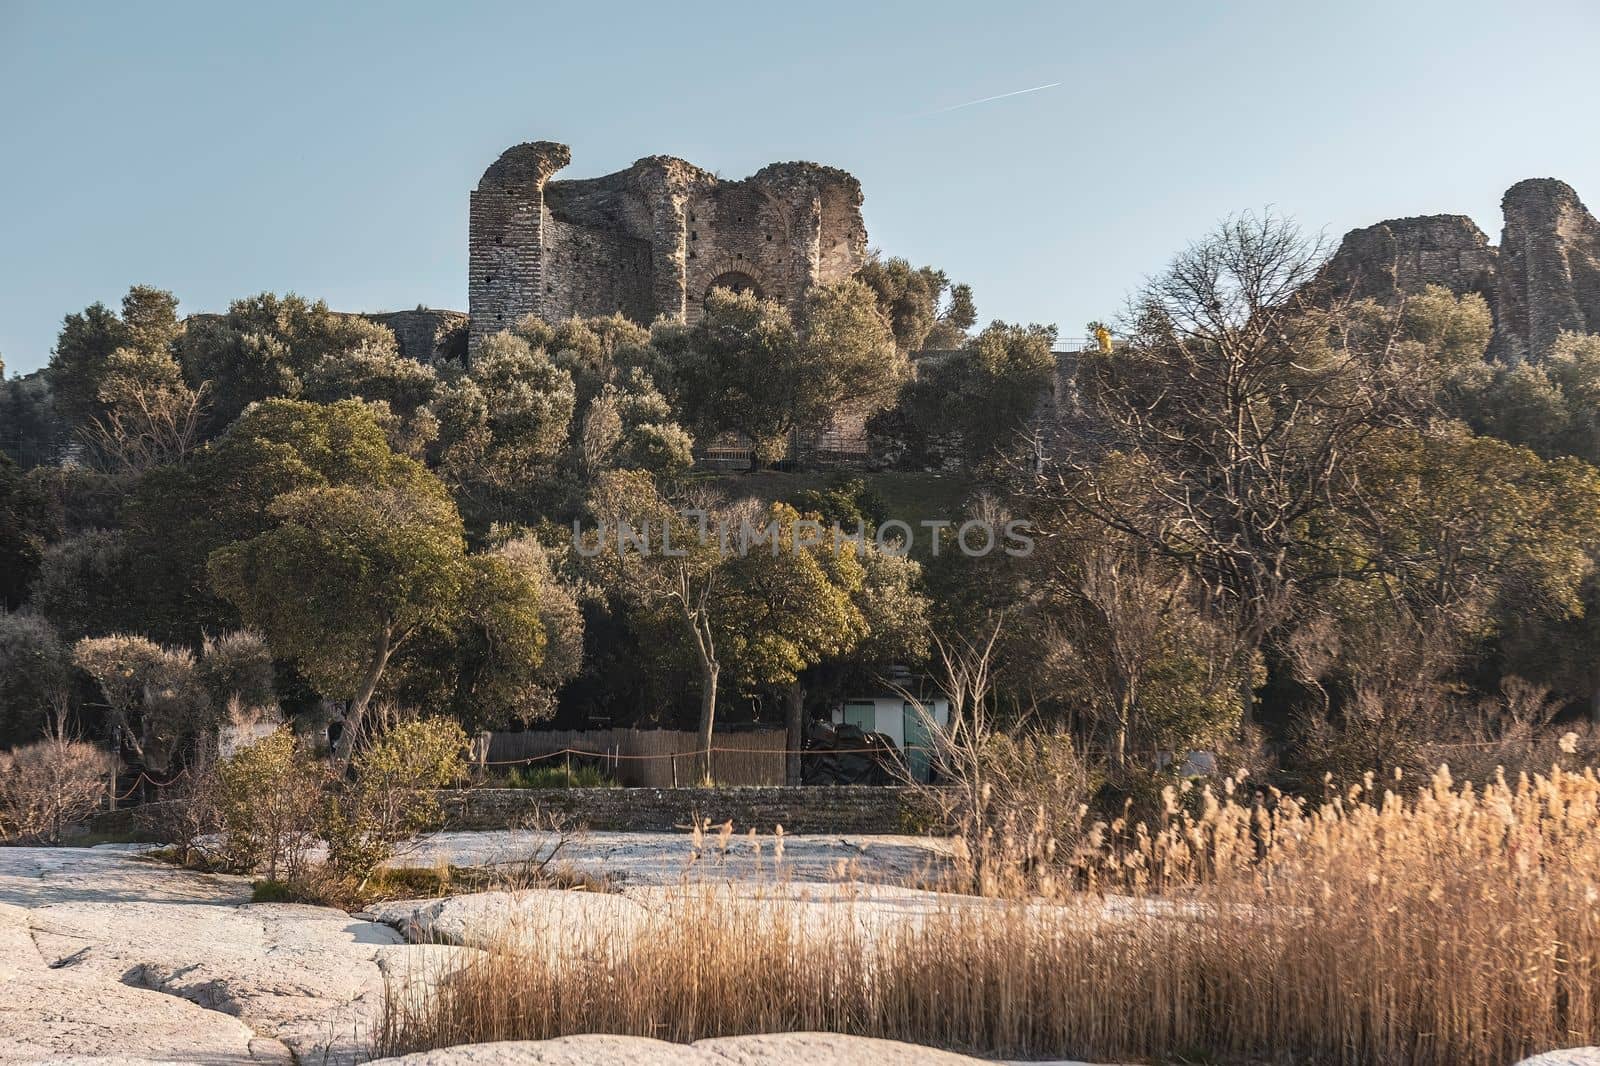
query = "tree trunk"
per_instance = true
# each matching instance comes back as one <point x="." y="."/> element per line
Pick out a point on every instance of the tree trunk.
<point x="358" y="707"/>
<point x="708" y="714"/>
<point x="795" y="721"/>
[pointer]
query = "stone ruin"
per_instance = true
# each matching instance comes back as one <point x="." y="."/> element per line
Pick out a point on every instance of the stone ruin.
<point x="1542" y="279"/>
<point x="653" y="239"/>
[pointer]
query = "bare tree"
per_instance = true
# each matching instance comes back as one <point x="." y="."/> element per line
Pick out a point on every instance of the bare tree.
<point x="1014" y="798"/>
<point x="151" y="417"/>
<point x="50" y="785"/>
<point x="1230" y="419"/>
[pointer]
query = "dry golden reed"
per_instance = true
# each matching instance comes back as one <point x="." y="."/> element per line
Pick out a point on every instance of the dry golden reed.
<point x="1452" y="927"/>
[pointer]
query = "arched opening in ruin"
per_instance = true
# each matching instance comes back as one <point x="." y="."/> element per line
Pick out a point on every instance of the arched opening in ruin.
<point x="736" y="280"/>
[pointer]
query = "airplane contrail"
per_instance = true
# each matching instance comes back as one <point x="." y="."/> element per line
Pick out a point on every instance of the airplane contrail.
<point x="989" y="99"/>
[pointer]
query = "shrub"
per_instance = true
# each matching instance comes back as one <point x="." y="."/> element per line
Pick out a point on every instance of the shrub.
<point x="266" y="800"/>
<point x="1014" y="803"/>
<point x="392" y="795"/>
<point x="47" y="787"/>
<point x="274" y="892"/>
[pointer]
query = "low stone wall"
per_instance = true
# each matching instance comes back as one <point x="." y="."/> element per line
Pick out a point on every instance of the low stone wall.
<point x="804" y="809"/>
<point x="141" y="824"/>
<point x="801" y="809"/>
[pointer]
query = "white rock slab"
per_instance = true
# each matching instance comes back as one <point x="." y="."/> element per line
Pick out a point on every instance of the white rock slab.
<point x="1577" y="1056"/>
<point x="109" y="954"/>
<point x="814" y="1049"/>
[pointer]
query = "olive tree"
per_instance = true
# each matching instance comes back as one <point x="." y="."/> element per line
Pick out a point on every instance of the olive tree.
<point x="747" y="367"/>
<point x="153" y="696"/>
<point x="344" y="576"/>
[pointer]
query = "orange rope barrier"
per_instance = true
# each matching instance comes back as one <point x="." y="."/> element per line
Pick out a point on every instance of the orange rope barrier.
<point x="144" y="778"/>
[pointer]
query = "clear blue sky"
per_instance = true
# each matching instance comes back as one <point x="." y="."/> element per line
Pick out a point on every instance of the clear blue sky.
<point x="327" y="148"/>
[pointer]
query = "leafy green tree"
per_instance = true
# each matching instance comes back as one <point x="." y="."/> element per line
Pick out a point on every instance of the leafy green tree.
<point x="887" y="624"/>
<point x="32" y="429"/>
<point x="633" y="427"/>
<point x="677" y="586"/>
<point x="387" y="562"/>
<point x="392" y="795"/>
<point x="495" y="653"/>
<point x="149" y="416"/>
<point x="266" y="345"/>
<point x="990" y="390"/>
<point x="851" y="363"/>
<point x="1122" y="638"/>
<point x="1552" y="407"/>
<point x="29" y="520"/>
<point x="268" y="797"/>
<point x="148" y="325"/>
<point x="924" y="309"/>
<point x="784" y="611"/>
<point x="739" y="369"/>
<point x="560" y="622"/>
<point x="1454" y="519"/>
<point x="83" y="585"/>
<point x="982" y="395"/>
<point x="501" y="425"/>
<point x="238" y="666"/>
<point x="374" y="370"/>
<point x="177" y="516"/>
<point x="1443" y="332"/>
<point x="773" y="601"/>
<point x="34" y="676"/>
<point x="845" y="501"/>
<point x="745" y="368"/>
<point x="595" y="351"/>
<point x="397" y="390"/>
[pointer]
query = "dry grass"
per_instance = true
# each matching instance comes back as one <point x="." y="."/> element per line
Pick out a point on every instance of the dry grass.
<point x="1454" y="926"/>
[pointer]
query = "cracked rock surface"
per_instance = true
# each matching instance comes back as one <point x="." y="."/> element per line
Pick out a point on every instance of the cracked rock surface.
<point x="106" y="956"/>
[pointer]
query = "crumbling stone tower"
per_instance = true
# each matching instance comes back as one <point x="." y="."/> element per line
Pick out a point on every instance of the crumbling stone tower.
<point x="652" y="239"/>
<point x="1544" y="277"/>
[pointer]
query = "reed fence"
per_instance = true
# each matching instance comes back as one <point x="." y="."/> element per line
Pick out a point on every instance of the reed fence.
<point x="648" y="758"/>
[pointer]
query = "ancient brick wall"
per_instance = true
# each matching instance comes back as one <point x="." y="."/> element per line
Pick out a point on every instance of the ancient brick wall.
<point x="799" y="809"/>
<point x="427" y="335"/>
<point x="587" y="269"/>
<point x="652" y="239"/>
